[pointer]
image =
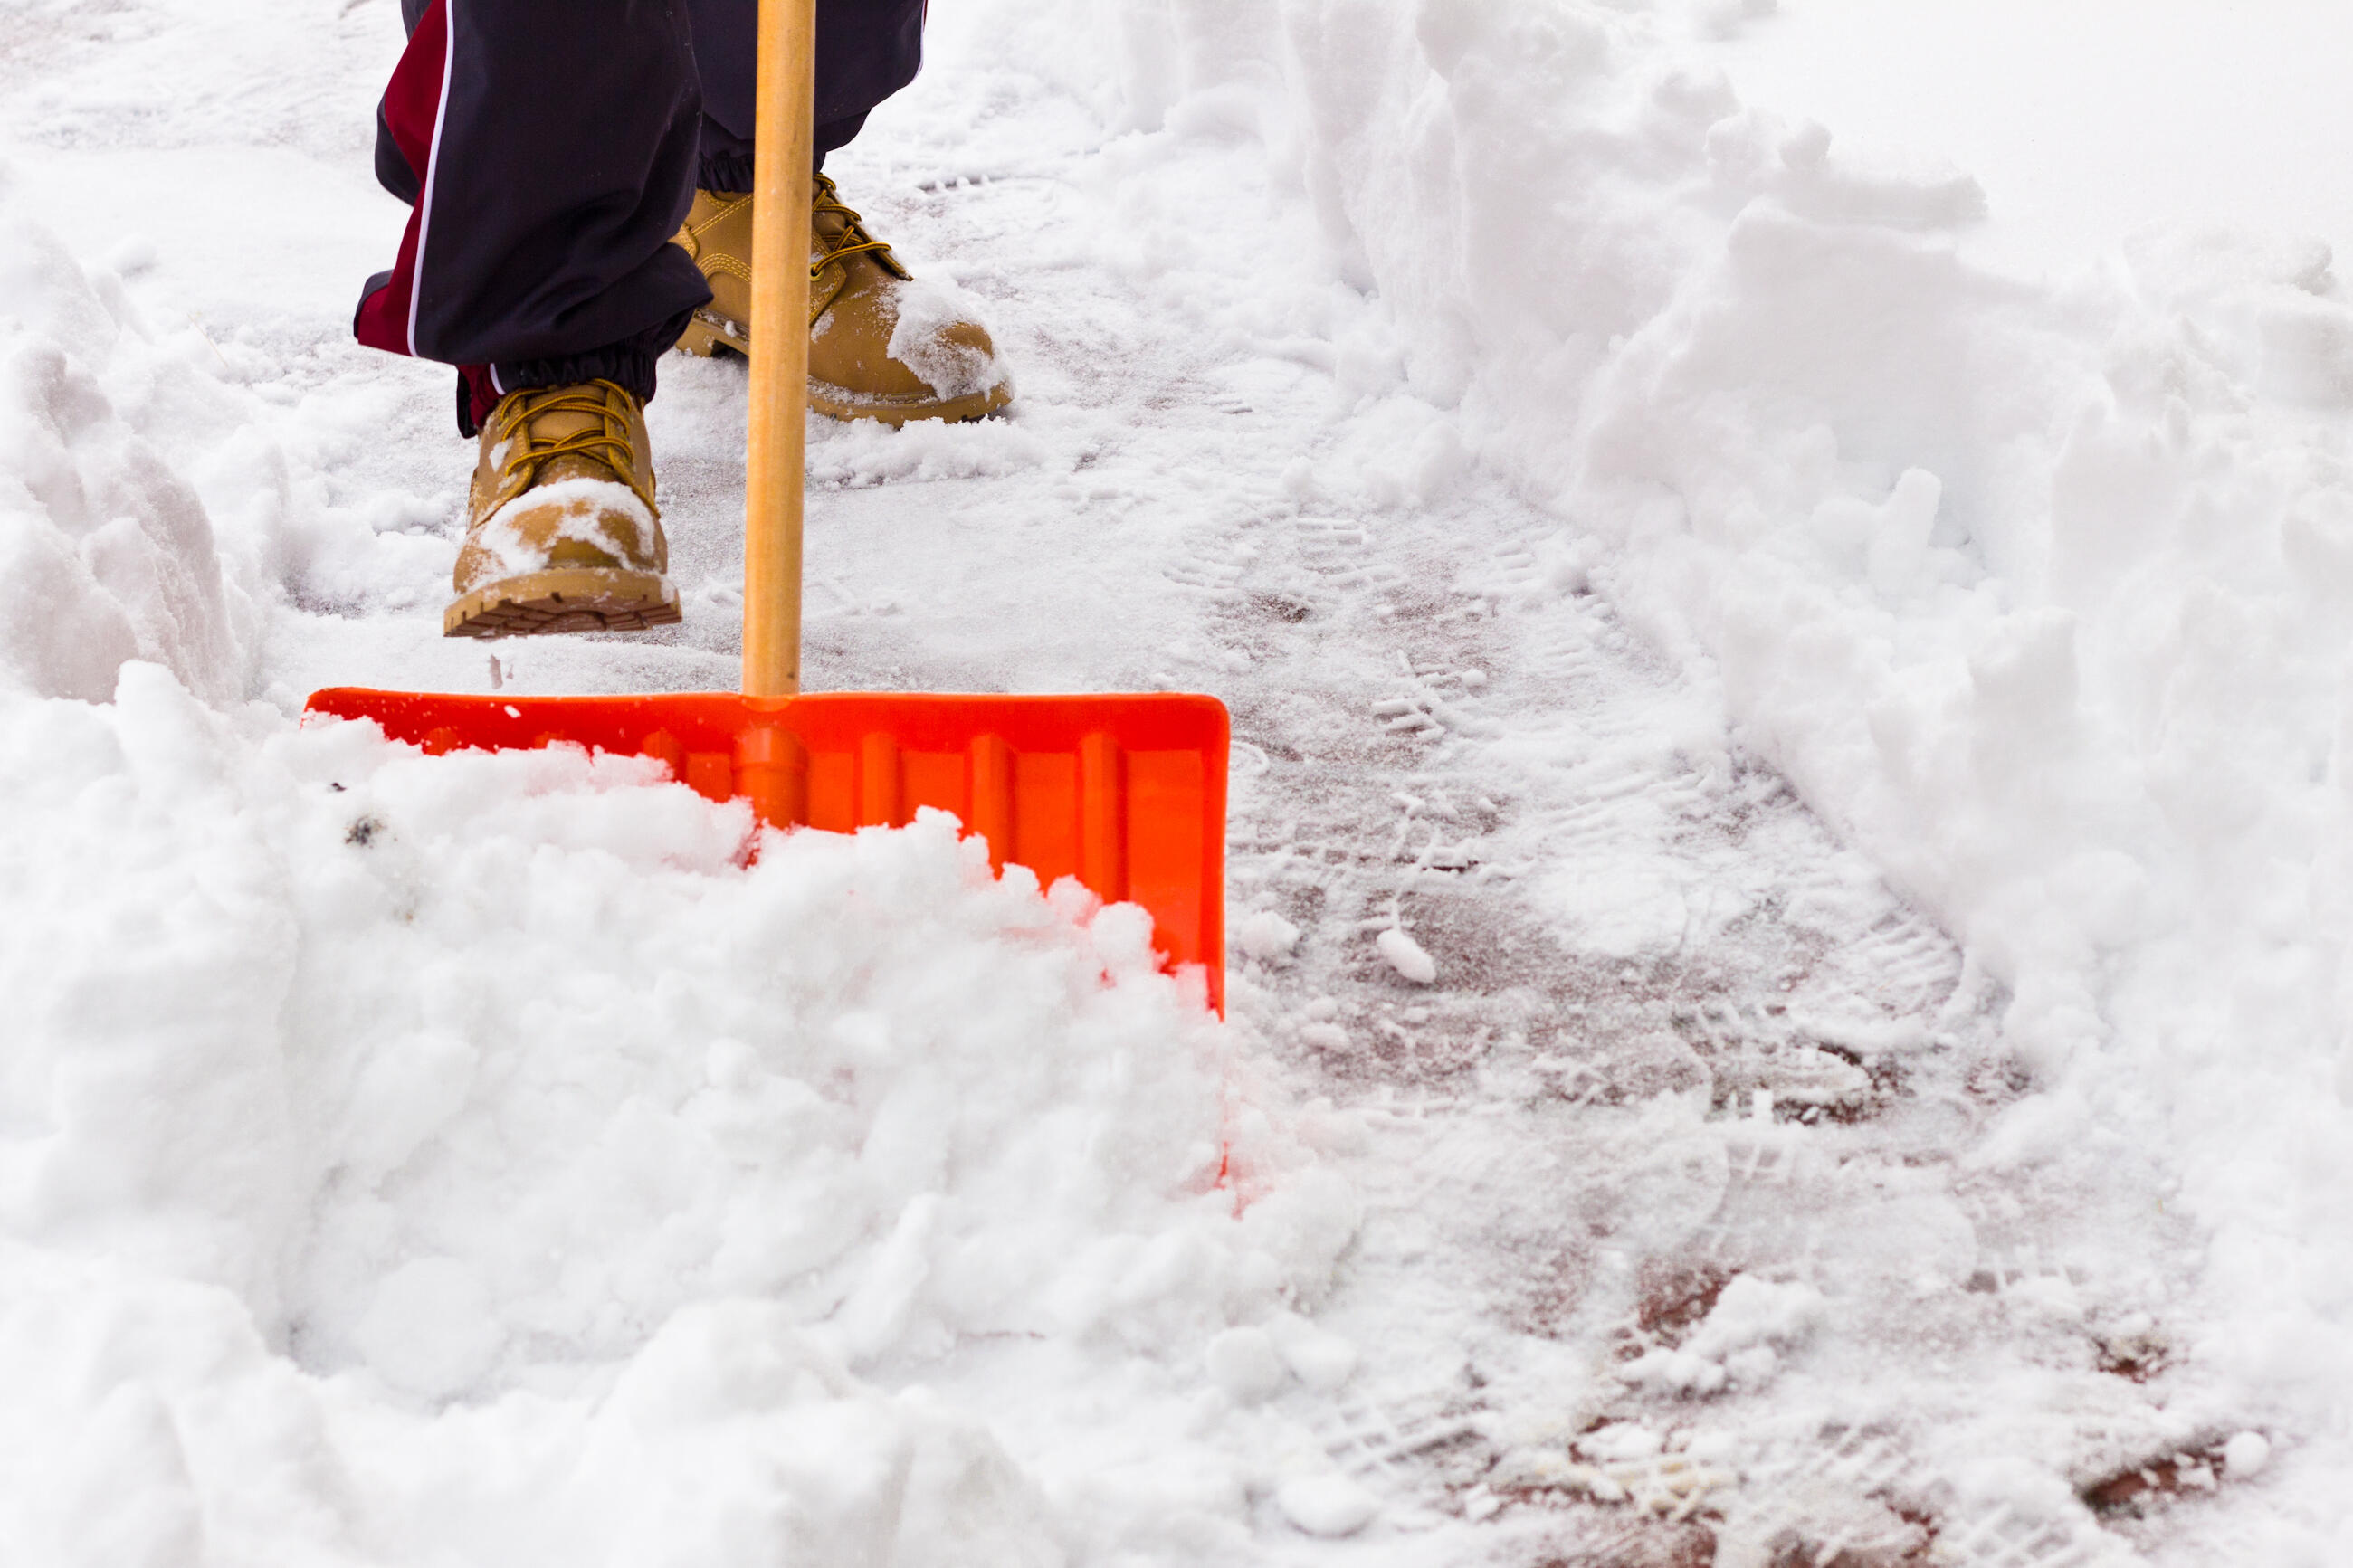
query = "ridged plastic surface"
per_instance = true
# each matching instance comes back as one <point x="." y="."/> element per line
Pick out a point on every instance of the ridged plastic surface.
<point x="1126" y="793"/>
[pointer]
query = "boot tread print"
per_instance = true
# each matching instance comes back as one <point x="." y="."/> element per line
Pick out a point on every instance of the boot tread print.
<point x="880" y="345"/>
<point x="563" y="535"/>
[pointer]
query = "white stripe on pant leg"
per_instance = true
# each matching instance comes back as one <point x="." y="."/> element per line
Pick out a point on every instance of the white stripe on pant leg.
<point x="432" y="165"/>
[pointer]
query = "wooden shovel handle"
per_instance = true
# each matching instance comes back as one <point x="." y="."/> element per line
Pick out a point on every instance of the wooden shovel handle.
<point x="775" y="460"/>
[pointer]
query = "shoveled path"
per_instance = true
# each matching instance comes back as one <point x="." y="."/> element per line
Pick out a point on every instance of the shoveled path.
<point x="1674" y="1250"/>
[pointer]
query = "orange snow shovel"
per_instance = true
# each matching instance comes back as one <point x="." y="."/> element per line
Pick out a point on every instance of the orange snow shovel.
<point x="1126" y="793"/>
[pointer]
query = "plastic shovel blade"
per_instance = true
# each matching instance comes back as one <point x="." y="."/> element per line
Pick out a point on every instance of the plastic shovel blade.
<point x="1126" y="793"/>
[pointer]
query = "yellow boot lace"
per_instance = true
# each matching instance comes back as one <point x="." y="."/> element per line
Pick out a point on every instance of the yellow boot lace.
<point x="853" y="239"/>
<point x="606" y="442"/>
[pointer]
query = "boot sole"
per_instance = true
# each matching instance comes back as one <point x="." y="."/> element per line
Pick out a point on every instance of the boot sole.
<point x="710" y="335"/>
<point x="839" y="403"/>
<point x="574" y="599"/>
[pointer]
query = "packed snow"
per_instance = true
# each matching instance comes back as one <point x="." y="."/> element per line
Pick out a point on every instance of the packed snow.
<point x="1787" y="638"/>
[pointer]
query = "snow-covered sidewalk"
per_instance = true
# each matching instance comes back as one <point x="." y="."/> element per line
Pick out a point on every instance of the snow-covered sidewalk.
<point x="1573" y="480"/>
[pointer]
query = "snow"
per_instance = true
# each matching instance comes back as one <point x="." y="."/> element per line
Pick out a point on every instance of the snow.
<point x="2246" y="1454"/>
<point x="2101" y="127"/>
<point x="1784" y="612"/>
<point x="1267" y="936"/>
<point x="1327" y="1505"/>
<point x="1244" y="1363"/>
<point x="1406" y="956"/>
<point x="107" y="552"/>
<point x="1736" y="1339"/>
<point x="925" y="311"/>
<point x="507" y="1105"/>
<point x="586" y="510"/>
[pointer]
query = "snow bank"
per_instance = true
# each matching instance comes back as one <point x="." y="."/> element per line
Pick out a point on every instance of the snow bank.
<point x="2038" y="590"/>
<point x="474" y="1159"/>
<point x="106" y="552"/>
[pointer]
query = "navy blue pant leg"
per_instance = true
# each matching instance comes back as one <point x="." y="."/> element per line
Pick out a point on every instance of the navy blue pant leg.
<point x="550" y="151"/>
<point x="866" y="50"/>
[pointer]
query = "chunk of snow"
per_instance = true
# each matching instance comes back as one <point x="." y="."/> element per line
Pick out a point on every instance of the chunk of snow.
<point x="1621" y="1440"/>
<point x="1406" y="956"/>
<point x="1329" y="1505"/>
<point x="1674" y="1371"/>
<point x="1758" y="1311"/>
<point x="430" y="1330"/>
<point x="1734" y="1345"/>
<point x="2245" y="1455"/>
<point x="925" y="311"/>
<point x="1319" y="1359"/>
<point x="1267" y="936"/>
<point x="1243" y="1363"/>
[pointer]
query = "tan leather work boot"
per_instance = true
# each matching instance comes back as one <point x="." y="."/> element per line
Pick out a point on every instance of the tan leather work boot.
<point x="879" y="348"/>
<point x="562" y="533"/>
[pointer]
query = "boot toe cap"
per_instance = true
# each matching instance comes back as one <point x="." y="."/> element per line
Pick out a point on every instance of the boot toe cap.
<point x="905" y="353"/>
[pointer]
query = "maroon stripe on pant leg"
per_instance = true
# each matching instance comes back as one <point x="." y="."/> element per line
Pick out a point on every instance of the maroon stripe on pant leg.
<point x="482" y="392"/>
<point x="412" y="110"/>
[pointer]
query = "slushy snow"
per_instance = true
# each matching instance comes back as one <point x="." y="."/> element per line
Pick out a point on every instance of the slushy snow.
<point x="1791" y="785"/>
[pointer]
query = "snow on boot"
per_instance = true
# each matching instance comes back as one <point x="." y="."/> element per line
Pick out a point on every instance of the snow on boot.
<point x="563" y="535"/>
<point x="882" y="346"/>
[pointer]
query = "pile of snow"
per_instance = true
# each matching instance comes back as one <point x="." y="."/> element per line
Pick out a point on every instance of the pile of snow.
<point x="106" y="552"/>
<point x="2039" y="590"/>
<point x="165" y="495"/>
<point x="475" y="1158"/>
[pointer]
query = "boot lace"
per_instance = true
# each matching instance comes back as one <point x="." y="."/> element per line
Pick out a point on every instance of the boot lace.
<point x="853" y="239"/>
<point x="607" y="441"/>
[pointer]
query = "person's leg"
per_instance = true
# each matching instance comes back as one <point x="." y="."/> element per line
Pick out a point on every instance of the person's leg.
<point x="548" y="149"/>
<point x="549" y="152"/>
<point x="861" y="364"/>
<point x="866" y="50"/>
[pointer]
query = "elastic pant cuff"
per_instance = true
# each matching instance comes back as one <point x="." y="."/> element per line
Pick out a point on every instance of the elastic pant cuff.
<point x="725" y="163"/>
<point x="728" y="171"/>
<point x="629" y="364"/>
